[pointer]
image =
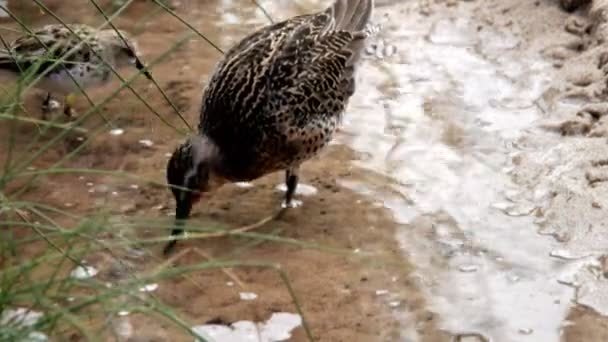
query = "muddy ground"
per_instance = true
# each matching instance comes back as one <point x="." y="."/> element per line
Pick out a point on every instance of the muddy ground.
<point x="337" y="292"/>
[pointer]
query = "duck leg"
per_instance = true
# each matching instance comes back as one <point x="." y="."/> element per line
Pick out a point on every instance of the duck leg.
<point x="291" y="181"/>
<point x="47" y="106"/>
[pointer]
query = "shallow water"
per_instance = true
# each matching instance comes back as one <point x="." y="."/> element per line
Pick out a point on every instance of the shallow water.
<point x="442" y="118"/>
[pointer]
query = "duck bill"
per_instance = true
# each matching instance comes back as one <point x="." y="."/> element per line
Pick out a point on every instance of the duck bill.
<point x="141" y="67"/>
<point x="182" y="213"/>
<point x="183" y="208"/>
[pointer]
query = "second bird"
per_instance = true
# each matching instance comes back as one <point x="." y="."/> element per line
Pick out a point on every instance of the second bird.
<point x="273" y="102"/>
<point x="73" y="54"/>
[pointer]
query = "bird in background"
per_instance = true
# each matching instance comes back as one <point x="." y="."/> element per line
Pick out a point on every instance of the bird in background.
<point x="83" y="51"/>
<point x="273" y="102"/>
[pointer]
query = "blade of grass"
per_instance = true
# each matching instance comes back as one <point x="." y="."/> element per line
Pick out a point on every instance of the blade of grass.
<point x="158" y="87"/>
<point x="266" y="14"/>
<point x="116" y="74"/>
<point x="170" y="11"/>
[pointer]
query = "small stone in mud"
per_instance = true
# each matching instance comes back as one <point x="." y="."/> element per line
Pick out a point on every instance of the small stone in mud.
<point x="394" y="304"/>
<point x="468" y="268"/>
<point x="248" y="296"/>
<point x="381" y="292"/>
<point x="117" y="131"/>
<point x="146" y="142"/>
<point x="525" y="331"/>
<point x="84" y="272"/>
<point x="567" y="255"/>
<point x="244" y="184"/>
<point x="149" y="288"/>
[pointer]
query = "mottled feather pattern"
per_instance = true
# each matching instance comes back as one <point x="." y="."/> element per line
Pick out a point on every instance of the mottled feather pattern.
<point x="53" y="42"/>
<point x="273" y="102"/>
<point x="278" y="96"/>
<point x="81" y="55"/>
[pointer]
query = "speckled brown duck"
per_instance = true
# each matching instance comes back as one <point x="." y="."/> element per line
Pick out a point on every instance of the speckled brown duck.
<point x="73" y="54"/>
<point x="273" y="102"/>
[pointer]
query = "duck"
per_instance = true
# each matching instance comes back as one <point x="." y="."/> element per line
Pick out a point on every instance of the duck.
<point x="75" y="54"/>
<point x="274" y="101"/>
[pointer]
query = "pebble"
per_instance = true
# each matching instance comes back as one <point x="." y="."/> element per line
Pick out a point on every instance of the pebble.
<point x="84" y="272"/>
<point x="146" y="142"/>
<point x="567" y="255"/>
<point x="248" y="296"/>
<point x="148" y="288"/>
<point x="525" y="331"/>
<point x="468" y="268"/>
<point x="117" y="131"/>
<point x="381" y="292"/>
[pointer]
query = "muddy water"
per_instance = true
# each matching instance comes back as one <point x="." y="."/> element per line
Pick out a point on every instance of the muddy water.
<point x="442" y="117"/>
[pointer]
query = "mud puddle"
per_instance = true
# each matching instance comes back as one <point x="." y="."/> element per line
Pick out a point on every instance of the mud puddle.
<point x="443" y="104"/>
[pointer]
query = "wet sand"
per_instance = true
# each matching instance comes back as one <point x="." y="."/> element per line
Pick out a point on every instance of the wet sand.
<point x="362" y="198"/>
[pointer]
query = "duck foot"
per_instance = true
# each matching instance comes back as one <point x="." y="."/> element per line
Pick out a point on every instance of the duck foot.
<point x="294" y="203"/>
